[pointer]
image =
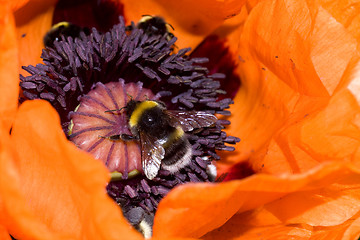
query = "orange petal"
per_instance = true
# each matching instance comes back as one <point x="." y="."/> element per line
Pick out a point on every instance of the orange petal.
<point x="250" y="225"/>
<point x="9" y="83"/>
<point x="285" y="56"/>
<point x="16" y="4"/>
<point x="195" y="209"/>
<point x="353" y="231"/>
<point x="33" y="20"/>
<point x="63" y="185"/>
<point x="192" y="20"/>
<point x="345" y="12"/>
<point x="4" y="233"/>
<point x="306" y="40"/>
<point x="263" y="102"/>
<point x="262" y="106"/>
<point x="234" y="230"/>
<point x="332" y="133"/>
<point x="15" y="214"/>
<point x="330" y="206"/>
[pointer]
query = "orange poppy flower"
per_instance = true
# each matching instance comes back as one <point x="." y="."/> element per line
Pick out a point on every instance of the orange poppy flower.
<point x="296" y="113"/>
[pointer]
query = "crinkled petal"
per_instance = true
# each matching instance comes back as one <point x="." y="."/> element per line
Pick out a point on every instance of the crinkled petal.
<point x="9" y="84"/>
<point x="312" y="48"/>
<point x="63" y="185"/>
<point x="345" y="12"/>
<point x="208" y="206"/>
<point x="353" y="230"/>
<point x="260" y="223"/>
<point x="331" y="134"/>
<point x="234" y="230"/>
<point x="295" y="59"/>
<point x="329" y="206"/>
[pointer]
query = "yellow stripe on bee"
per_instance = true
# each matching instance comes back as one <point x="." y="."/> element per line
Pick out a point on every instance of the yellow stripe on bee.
<point x="65" y="24"/>
<point x="178" y="133"/>
<point x="140" y="108"/>
<point x="145" y="18"/>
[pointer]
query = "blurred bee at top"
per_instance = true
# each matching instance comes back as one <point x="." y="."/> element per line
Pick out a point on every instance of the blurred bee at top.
<point x="161" y="133"/>
<point x="63" y="29"/>
<point x="154" y="25"/>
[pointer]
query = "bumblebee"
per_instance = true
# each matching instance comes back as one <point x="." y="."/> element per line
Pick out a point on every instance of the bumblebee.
<point x="154" y="25"/>
<point x="63" y="29"/>
<point x="161" y="134"/>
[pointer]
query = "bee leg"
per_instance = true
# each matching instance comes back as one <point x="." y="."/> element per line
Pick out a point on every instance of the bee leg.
<point x="113" y="110"/>
<point x="123" y="137"/>
<point x="113" y="137"/>
<point x="127" y="137"/>
<point x="129" y="28"/>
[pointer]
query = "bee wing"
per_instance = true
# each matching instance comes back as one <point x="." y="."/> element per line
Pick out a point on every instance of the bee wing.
<point x="151" y="155"/>
<point x="190" y="120"/>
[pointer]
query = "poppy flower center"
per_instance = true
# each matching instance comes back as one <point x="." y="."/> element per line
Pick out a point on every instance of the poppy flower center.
<point x="99" y="117"/>
<point x="77" y="78"/>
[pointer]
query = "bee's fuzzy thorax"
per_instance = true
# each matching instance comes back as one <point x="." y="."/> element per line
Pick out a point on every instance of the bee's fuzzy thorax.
<point x="140" y="107"/>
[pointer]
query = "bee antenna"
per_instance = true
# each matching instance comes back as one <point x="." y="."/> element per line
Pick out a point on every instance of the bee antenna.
<point x="170" y="26"/>
<point x="131" y="97"/>
<point x="113" y="110"/>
